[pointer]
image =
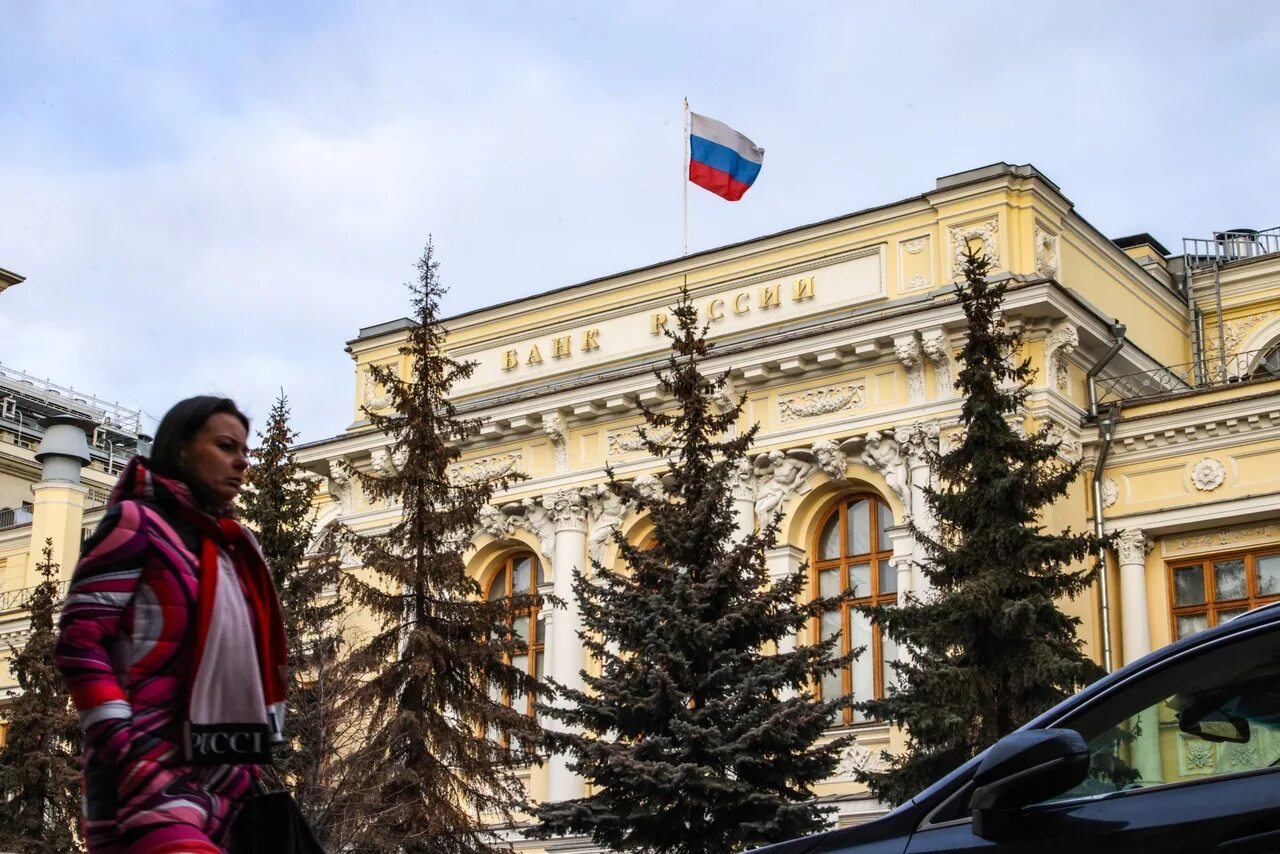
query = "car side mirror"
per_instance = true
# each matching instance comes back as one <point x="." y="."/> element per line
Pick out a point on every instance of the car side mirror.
<point x="1213" y="724"/>
<point x="1024" y="768"/>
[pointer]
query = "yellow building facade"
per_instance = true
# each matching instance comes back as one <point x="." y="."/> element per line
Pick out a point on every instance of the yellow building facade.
<point x="1159" y="370"/>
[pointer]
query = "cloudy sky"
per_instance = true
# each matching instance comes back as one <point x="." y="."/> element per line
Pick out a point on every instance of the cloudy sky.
<point x="216" y="196"/>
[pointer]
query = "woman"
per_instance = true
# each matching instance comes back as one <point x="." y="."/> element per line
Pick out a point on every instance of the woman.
<point x="172" y="645"/>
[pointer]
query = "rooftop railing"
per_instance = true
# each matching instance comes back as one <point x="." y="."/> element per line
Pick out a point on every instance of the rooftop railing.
<point x="1209" y="373"/>
<point x="16" y="600"/>
<point x="69" y="400"/>
<point x="1227" y="246"/>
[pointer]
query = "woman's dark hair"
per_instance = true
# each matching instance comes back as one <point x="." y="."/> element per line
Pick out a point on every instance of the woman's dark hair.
<point x="180" y="425"/>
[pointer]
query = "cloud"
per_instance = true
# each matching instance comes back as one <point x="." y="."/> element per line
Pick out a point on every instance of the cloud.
<point x="212" y="196"/>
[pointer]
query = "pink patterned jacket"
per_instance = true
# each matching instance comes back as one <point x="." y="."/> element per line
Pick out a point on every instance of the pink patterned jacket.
<point x="124" y="649"/>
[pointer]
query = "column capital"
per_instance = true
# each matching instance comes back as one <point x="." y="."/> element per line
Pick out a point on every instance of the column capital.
<point x="1132" y="547"/>
<point x="568" y="509"/>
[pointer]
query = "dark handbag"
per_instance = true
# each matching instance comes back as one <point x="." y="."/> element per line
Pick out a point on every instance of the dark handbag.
<point x="272" y="823"/>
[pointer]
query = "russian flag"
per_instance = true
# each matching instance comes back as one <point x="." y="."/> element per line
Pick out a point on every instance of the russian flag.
<point x="721" y="159"/>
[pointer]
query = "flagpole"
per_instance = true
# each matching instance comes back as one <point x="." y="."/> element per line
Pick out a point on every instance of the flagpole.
<point x="684" y="180"/>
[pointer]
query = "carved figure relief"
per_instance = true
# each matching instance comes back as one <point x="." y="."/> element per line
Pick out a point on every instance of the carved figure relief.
<point x="484" y="468"/>
<point x="1059" y="344"/>
<point x="342" y="484"/>
<point x="497" y="524"/>
<point x="1208" y="474"/>
<point x="822" y="401"/>
<point x="1070" y="447"/>
<point x="606" y="510"/>
<point x="537" y="521"/>
<point x="937" y="348"/>
<point x="778" y="477"/>
<point x="881" y="454"/>
<point x="831" y="460"/>
<point x="910" y="355"/>
<point x="742" y="481"/>
<point x="1046" y="252"/>
<point x="553" y="426"/>
<point x="982" y="231"/>
<point x="650" y="487"/>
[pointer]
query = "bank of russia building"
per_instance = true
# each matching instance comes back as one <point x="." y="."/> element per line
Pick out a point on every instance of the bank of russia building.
<point x="843" y="335"/>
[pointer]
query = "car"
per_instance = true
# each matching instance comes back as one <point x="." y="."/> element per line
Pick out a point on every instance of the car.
<point x="1178" y="752"/>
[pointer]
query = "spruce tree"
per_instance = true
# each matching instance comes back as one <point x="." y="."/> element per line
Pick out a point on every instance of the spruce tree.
<point x="40" y="761"/>
<point x="988" y="648"/>
<point x="320" y="719"/>
<point x="443" y="745"/>
<point x="696" y="736"/>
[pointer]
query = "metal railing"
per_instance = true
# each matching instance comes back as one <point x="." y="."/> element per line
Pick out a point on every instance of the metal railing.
<point x="69" y="400"/>
<point x="11" y="517"/>
<point x="1207" y="373"/>
<point x="1227" y="246"/>
<point x="16" y="600"/>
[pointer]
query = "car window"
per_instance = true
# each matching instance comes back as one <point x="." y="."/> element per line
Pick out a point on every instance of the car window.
<point x="1215" y="712"/>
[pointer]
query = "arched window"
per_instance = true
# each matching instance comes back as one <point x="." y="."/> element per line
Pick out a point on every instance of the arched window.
<point x="851" y="551"/>
<point x="1269" y="365"/>
<point x="521" y="572"/>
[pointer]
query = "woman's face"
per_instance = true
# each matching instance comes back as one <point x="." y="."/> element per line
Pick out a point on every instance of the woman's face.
<point x="217" y="456"/>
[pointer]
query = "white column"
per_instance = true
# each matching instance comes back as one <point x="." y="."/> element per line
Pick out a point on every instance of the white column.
<point x="904" y="546"/>
<point x="565" y="659"/>
<point x="782" y="562"/>
<point x="1132" y="547"/>
<point x="917" y="442"/>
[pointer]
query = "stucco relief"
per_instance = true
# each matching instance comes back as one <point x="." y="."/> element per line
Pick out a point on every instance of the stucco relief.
<point x="1221" y="538"/>
<point x="910" y="354"/>
<point x="823" y="401"/>
<point x="484" y="468"/>
<point x="342" y="485"/>
<point x="496" y="523"/>
<point x="537" y="521"/>
<point x="1059" y="344"/>
<point x="917" y="282"/>
<point x="568" y="509"/>
<point x="554" y="427"/>
<point x="857" y="758"/>
<point x="982" y="231"/>
<point x="1110" y="492"/>
<point x="1208" y="474"/>
<point x="1234" y="333"/>
<point x="628" y="440"/>
<point x="919" y="441"/>
<point x="375" y="396"/>
<point x="937" y="348"/>
<point x="1070" y="446"/>
<point x="831" y="459"/>
<point x="605" y="512"/>
<point x="915" y="247"/>
<point x="881" y="453"/>
<point x="1046" y="252"/>
<point x="778" y="477"/>
<point x="742" y="481"/>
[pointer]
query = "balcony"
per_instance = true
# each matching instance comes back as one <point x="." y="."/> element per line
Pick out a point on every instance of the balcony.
<point x="1214" y="372"/>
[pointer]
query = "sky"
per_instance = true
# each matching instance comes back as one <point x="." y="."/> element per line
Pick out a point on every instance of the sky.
<point x="214" y="197"/>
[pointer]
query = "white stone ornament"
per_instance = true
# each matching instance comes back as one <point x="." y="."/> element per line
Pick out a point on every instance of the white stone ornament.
<point x="911" y="356"/>
<point x="857" y="758"/>
<point x="605" y="510"/>
<point x="881" y="453"/>
<point x="1110" y="492"/>
<point x="1058" y="344"/>
<point x="1208" y="474"/>
<point x="831" y="460"/>
<point x="778" y="476"/>
<point x="982" y="231"/>
<point x="1046" y="253"/>
<point x="342" y="484"/>
<point x="1132" y="547"/>
<point x="822" y="401"/>
<point x="937" y="348"/>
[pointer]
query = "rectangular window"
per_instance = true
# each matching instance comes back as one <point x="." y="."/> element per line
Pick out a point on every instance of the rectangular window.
<point x="1211" y="590"/>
